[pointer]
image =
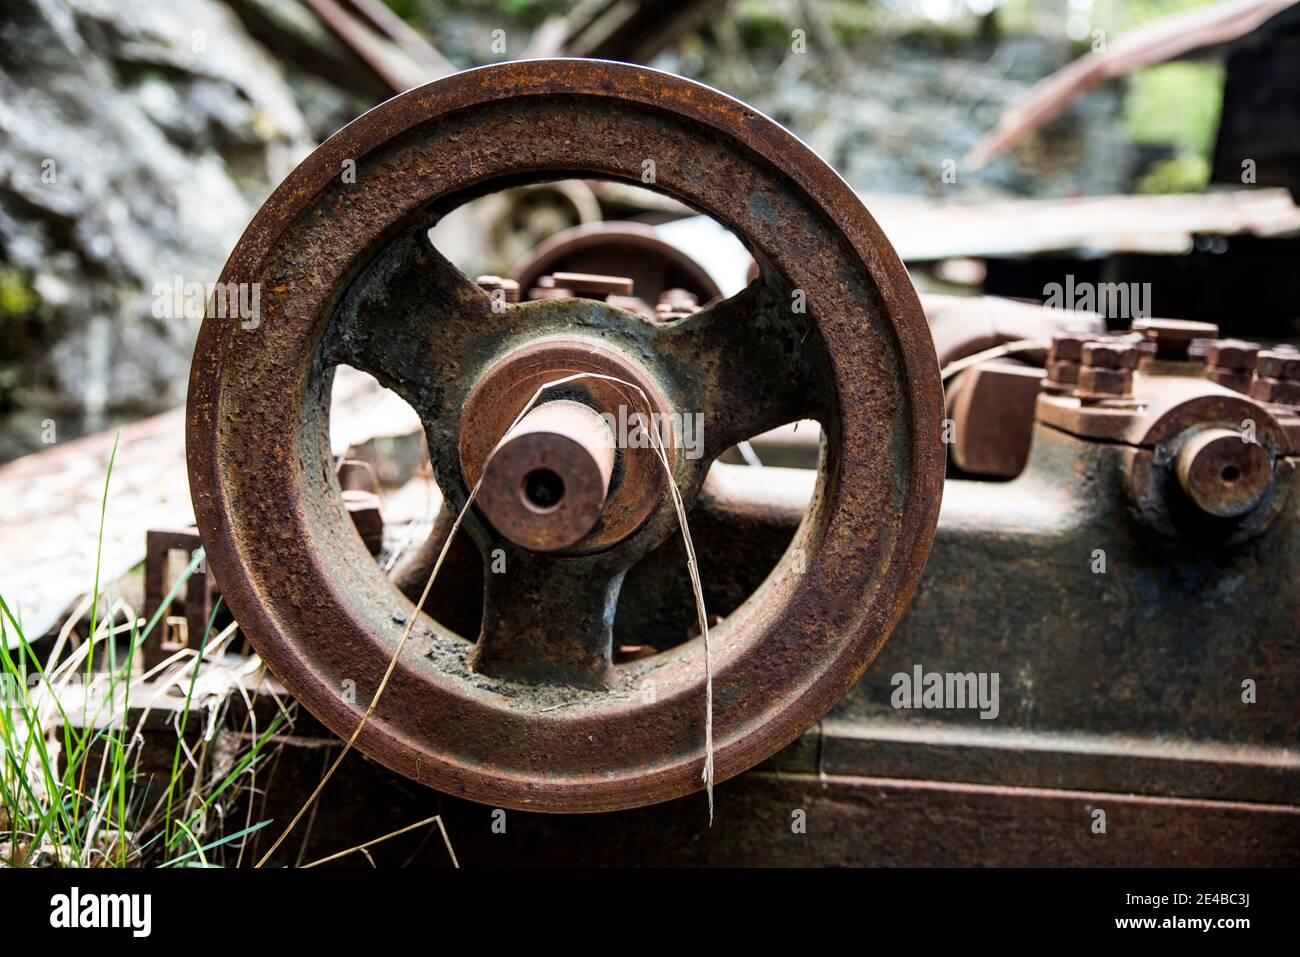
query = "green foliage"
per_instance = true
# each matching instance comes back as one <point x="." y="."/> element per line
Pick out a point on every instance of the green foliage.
<point x="70" y="787"/>
<point x="763" y="25"/>
<point x="1187" y="173"/>
<point x="1176" y="104"/>
<point x="17" y="297"/>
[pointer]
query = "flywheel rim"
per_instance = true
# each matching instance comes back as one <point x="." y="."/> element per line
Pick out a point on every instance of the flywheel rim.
<point x="768" y="692"/>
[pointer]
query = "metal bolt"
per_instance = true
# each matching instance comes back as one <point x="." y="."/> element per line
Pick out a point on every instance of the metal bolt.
<point x="1233" y="354"/>
<point x="547" y="289"/>
<point x="1173" y="337"/>
<point x="1277" y="377"/>
<point x="1064" y="358"/>
<point x="1230" y="362"/>
<point x="1068" y="346"/>
<point x="1107" y="369"/>
<point x="1110" y="354"/>
<point x="1280" y="363"/>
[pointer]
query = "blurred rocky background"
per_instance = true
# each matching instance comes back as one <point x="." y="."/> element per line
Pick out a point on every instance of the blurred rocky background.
<point x="138" y="137"/>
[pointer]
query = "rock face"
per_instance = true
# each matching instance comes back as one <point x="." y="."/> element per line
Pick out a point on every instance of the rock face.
<point x="136" y="141"/>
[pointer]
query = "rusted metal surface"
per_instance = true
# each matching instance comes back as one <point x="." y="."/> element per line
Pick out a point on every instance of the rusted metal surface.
<point x="743" y="521"/>
<point x="349" y="276"/>
<point x="992" y="408"/>
<point x="855" y="821"/>
<point x="1152" y="649"/>
<point x="1130" y="614"/>
<point x="506" y="387"/>
<point x="1224" y="475"/>
<point x="965" y="325"/>
<point x="1064" y="360"/>
<point x="853" y="818"/>
<point x="1107" y="370"/>
<point x="1231" y="363"/>
<point x="1190" y="472"/>
<point x="1125" y="676"/>
<point x="50" y="502"/>
<point x="1174" y="338"/>
<point x="545" y="483"/>
<point x="1172" y="394"/>
<point x="456" y="596"/>
<point x="676" y="303"/>
<point x="507" y="289"/>
<point x="588" y="285"/>
<point x="1277" y="378"/>
<point x="186" y="620"/>
<point x="50" y="507"/>
<point x="627" y="249"/>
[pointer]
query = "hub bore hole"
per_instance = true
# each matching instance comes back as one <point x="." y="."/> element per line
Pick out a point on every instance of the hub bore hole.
<point x="543" y="489"/>
<point x="1230" y="474"/>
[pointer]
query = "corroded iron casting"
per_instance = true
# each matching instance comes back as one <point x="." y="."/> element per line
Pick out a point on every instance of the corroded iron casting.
<point x="533" y="710"/>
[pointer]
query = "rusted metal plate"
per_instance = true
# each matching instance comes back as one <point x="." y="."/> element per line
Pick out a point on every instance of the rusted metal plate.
<point x="1104" y="627"/>
<point x="349" y="278"/>
<point x="804" y="820"/>
<point x="992" y="408"/>
<point x="50" y="505"/>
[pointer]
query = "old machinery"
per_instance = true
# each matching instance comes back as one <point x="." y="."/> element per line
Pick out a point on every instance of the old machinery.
<point x="1109" y="581"/>
<point x="660" y="273"/>
<point x="530" y="707"/>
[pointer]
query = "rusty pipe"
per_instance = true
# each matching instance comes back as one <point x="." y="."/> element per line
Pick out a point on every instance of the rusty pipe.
<point x="964" y="325"/>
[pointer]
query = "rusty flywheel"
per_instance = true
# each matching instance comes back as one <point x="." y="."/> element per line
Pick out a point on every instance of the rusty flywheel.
<point x="534" y="713"/>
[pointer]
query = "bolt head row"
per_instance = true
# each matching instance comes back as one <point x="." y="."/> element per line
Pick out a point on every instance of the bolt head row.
<point x="1101" y="367"/>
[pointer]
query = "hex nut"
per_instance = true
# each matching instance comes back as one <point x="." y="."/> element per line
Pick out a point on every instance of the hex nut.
<point x="1101" y="382"/>
<point x="1275" y="391"/>
<point x="1233" y="354"/>
<point x="1110" y="354"/>
<point x="1068" y="346"/>
<point x="1279" y="364"/>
